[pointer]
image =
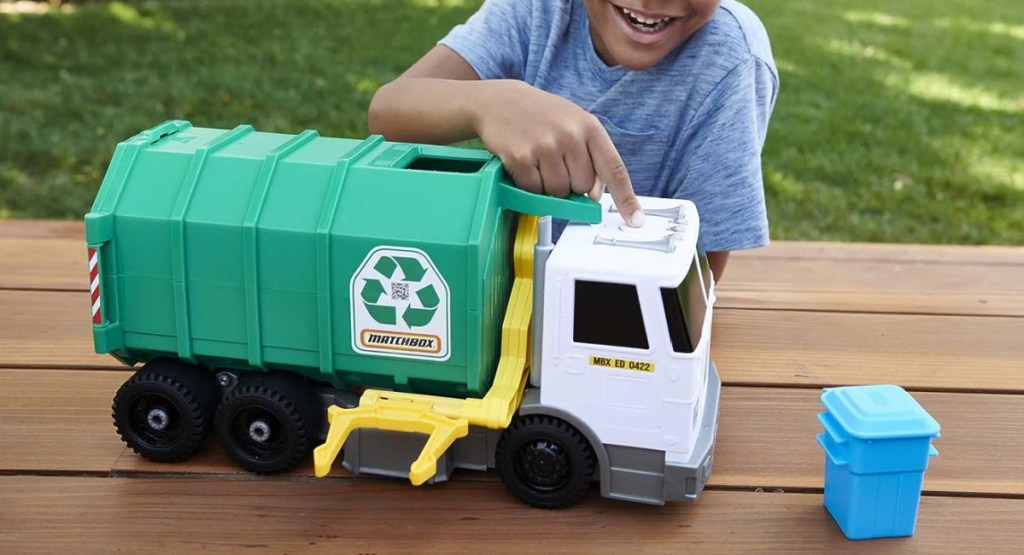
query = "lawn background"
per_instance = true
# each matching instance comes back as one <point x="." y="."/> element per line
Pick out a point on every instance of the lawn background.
<point x="896" y="121"/>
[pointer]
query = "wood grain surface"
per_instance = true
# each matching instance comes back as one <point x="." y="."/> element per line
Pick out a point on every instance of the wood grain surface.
<point x="44" y="515"/>
<point x="855" y="277"/>
<point x="61" y="421"/>
<point x="59" y="264"/>
<point x="766" y="347"/>
<point x="946" y="322"/>
<point x="47" y="328"/>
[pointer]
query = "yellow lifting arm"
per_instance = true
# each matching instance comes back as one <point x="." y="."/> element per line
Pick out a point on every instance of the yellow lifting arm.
<point x="400" y="415"/>
<point x="446" y="419"/>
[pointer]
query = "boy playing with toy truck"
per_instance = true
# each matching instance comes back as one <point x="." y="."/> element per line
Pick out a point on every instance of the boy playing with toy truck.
<point x="665" y="98"/>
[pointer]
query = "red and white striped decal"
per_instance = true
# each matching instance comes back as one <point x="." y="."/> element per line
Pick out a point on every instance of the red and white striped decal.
<point x="94" y="285"/>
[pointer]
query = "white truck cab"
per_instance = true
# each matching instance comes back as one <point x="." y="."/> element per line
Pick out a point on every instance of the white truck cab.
<point x="624" y="354"/>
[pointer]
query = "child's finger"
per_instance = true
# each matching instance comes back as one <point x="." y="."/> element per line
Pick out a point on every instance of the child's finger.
<point x="554" y="176"/>
<point x="597" y="191"/>
<point x="581" y="167"/>
<point x="526" y="176"/>
<point x="612" y="170"/>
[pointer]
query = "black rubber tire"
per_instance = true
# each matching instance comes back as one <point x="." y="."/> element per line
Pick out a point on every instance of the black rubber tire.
<point x="284" y="408"/>
<point x="165" y="410"/>
<point x="545" y="462"/>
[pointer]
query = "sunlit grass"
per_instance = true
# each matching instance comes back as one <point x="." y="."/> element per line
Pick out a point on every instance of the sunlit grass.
<point x="128" y="14"/>
<point x="992" y="27"/>
<point x="877" y="18"/>
<point x="14" y="8"/>
<point x="897" y="121"/>
<point x="943" y="88"/>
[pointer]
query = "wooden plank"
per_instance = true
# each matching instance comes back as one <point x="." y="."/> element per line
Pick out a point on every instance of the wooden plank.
<point x="42" y="229"/>
<point x="44" y="264"/>
<point x="44" y="328"/>
<point x="918" y="352"/>
<point x="814" y="250"/>
<point x="891" y="252"/>
<point x="931" y="287"/>
<point x="818" y="250"/>
<point x="767" y="440"/>
<point x="359" y="516"/>
<point x="859" y="277"/>
<point x="749" y="346"/>
<point x="871" y="277"/>
<point x="58" y="421"/>
<point x="922" y="287"/>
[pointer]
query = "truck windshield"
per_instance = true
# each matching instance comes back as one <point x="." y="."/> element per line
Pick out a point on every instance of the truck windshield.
<point x="685" y="308"/>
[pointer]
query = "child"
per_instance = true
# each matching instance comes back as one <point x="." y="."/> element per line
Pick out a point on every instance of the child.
<point x="665" y="98"/>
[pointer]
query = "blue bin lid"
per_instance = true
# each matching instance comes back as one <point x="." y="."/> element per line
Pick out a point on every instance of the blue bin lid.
<point x="878" y="412"/>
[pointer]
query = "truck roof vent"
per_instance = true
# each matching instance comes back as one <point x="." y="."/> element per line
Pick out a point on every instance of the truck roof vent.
<point x="672" y="212"/>
<point x="665" y="244"/>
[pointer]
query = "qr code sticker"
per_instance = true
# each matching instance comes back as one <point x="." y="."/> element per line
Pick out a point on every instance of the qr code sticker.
<point x="400" y="291"/>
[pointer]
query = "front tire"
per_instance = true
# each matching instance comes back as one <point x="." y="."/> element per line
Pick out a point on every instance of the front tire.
<point x="164" y="411"/>
<point x="269" y="423"/>
<point x="545" y="462"/>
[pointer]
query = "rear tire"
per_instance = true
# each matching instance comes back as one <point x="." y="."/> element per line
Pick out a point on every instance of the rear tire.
<point x="269" y="422"/>
<point x="164" y="411"/>
<point x="545" y="462"/>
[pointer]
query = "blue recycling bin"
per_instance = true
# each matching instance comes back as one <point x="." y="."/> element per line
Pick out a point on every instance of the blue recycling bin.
<point x="877" y="443"/>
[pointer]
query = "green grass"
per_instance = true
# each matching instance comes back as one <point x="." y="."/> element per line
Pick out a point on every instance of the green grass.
<point x="899" y="122"/>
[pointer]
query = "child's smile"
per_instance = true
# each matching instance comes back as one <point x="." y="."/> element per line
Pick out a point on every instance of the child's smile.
<point x="643" y="27"/>
<point x="637" y="34"/>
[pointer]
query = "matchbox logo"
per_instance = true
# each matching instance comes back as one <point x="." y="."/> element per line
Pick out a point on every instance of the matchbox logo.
<point x="400" y="305"/>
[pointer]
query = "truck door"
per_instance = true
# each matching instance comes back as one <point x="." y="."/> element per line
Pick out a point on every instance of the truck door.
<point x="606" y="376"/>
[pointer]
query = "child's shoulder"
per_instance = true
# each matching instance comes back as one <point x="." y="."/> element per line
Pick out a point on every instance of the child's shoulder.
<point x="733" y="35"/>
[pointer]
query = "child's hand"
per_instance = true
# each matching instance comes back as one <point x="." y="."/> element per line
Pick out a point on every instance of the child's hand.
<point x="551" y="146"/>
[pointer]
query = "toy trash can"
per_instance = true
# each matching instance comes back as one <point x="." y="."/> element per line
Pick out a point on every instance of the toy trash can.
<point x="877" y="443"/>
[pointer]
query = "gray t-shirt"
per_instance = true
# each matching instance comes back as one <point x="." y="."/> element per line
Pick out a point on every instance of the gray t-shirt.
<point x="691" y="127"/>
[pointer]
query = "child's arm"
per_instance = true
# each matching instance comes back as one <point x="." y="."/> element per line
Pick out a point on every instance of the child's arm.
<point x="548" y="144"/>
<point x="722" y="172"/>
<point x="717" y="261"/>
<point x="430" y="102"/>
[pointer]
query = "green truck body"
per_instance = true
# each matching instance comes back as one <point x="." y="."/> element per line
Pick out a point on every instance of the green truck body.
<point x="304" y="217"/>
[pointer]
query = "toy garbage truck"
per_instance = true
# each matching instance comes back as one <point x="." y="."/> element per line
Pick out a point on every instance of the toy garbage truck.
<point x="403" y="304"/>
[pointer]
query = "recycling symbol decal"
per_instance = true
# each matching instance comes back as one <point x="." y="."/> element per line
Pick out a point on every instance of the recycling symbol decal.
<point x="387" y="309"/>
<point x="400" y="305"/>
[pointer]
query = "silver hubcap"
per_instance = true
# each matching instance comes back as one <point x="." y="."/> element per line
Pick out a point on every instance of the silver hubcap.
<point x="157" y="419"/>
<point x="259" y="431"/>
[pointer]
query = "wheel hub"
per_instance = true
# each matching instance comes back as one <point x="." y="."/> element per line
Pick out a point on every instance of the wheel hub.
<point x="158" y="419"/>
<point x="544" y="464"/>
<point x="259" y="431"/>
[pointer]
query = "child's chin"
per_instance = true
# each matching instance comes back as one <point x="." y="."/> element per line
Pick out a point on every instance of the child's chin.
<point x="635" y="60"/>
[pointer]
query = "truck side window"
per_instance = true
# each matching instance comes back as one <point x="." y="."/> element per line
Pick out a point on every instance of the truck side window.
<point x="676" y="323"/>
<point x="608" y="314"/>
<point x="685" y="308"/>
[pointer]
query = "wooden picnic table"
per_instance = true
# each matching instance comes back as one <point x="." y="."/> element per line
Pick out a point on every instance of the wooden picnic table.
<point x="945" y="322"/>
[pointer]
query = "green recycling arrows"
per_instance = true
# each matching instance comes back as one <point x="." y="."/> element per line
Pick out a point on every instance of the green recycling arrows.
<point x="419" y="317"/>
<point x="411" y="268"/>
<point x="379" y="306"/>
<point x="372" y="290"/>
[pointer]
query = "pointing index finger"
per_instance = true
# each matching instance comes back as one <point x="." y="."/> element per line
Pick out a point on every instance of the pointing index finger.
<point x="612" y="170"/>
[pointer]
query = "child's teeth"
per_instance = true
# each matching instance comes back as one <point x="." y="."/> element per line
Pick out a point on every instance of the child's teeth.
<point x="643" y="19"/>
